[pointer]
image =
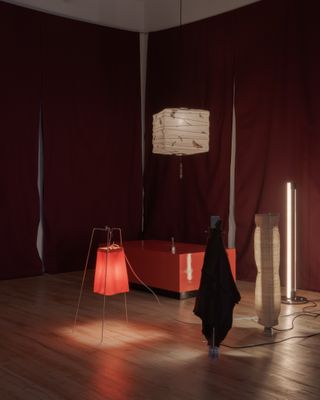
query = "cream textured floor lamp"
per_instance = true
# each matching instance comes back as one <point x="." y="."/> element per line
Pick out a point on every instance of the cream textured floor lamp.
<point x="267" y="257"/>
<point x="291" y="247"/>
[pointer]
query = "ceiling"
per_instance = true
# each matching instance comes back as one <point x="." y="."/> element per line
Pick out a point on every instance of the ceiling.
<point x="135" y="15"/>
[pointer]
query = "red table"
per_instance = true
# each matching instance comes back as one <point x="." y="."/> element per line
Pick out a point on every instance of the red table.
<point x="175" y="275"/>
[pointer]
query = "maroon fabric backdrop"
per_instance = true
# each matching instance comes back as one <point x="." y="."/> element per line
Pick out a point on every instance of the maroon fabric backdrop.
<point x="189" y="66"/>
<point x="19" y="120"/>
<point x="277" y="100"/>
<point x="92" y="139"/>
<point x="92" y="142"/>
<point x="307" y="14"/>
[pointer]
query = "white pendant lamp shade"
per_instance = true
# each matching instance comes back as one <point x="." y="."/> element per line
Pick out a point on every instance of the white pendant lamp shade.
<point x="181" y="131"/>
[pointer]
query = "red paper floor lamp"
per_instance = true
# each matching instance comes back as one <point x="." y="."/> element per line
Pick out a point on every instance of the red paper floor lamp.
<point x="111" y="275"/>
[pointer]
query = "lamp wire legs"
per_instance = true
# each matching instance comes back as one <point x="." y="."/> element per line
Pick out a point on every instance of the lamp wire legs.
<point x="83" y="279"/>
<point x="125" y="306"/>
<point x="109" y="232"/>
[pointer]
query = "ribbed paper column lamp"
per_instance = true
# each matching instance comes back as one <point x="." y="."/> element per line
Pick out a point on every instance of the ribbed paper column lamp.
<point x="267" y="257"/>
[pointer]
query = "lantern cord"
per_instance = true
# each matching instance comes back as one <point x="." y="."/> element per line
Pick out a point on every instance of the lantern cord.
<point x="140" y="280"/>
<point x="180" y="168"/>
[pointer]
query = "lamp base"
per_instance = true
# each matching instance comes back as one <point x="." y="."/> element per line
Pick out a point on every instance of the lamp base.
<point x="268" y="331"/>
<point x="213" y="352"/>
<point x="294" y="300"/>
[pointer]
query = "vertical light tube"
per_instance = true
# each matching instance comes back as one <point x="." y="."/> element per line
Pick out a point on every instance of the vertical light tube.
<point x="294" y="241"/>
<point x="232" y="223"/>
<point x="291" y="247"/>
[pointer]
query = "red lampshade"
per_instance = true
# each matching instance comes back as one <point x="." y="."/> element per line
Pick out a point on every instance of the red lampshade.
<point x="111" y="275"/>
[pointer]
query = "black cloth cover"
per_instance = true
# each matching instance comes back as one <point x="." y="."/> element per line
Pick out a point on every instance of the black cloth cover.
<point x="218" y="293"/>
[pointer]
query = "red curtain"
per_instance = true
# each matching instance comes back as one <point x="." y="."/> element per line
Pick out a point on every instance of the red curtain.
<point x="91" y="109"/>
<point x="87" y="79"/>
<point x="272" y="50"/>
<point x="277" y="100"/>
<point x="309" y="61"/>
<point x="92" y="139"/>
<point x="190" y="66"/>
<point x="19" y="103"/>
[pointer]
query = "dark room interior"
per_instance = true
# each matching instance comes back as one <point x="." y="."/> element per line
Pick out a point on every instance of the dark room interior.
<point x="78" y="98"/>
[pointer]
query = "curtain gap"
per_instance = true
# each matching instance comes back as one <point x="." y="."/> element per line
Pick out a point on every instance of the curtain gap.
<point x="143" y="77"/>
<point x="232" y="224"/>
<point x="40" y="189"/>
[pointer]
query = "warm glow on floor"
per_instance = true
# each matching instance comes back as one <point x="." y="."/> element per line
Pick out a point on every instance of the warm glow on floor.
<point x="117" y="333"/>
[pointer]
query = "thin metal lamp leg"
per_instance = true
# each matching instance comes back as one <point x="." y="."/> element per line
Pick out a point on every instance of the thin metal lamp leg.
<point x="109" y="234"/>
<point x="84" y="276"/>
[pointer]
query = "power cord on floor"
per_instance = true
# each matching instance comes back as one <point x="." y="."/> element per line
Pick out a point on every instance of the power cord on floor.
<point x="314" y="304"/>
<point x="297" y="314"/>
<point x="273" y="342"/>
<point x="302" y="313"/>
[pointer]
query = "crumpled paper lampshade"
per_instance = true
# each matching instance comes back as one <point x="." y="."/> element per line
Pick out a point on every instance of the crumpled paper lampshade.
<point x="111" y="275"/>
<point x="181" y="131"/>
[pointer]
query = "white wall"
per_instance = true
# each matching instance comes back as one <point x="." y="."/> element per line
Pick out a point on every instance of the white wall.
<point x="123" y="14"/>
<point x="163" y="14"/>
<point x="134" y="15"/>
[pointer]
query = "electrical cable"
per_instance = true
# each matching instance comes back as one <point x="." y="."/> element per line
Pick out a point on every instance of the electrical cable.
<point x="248" y="346"/>
<point x="273" y="342"/>
<point x="304" y="312"/>
<point x="141" y="281"/>
<point x="264" y="343"/>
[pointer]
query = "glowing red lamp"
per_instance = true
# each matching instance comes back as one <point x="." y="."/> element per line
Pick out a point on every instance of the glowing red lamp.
<point x="111" y="275"/>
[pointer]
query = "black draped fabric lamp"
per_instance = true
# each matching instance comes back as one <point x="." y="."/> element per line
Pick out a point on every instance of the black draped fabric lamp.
<point x="217" y="294"/>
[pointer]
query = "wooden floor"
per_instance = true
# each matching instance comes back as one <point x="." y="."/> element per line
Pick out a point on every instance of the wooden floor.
<point x="158" y="354"/>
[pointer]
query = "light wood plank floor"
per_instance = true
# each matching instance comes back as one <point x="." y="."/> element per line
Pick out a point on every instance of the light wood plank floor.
<point x="158" y="354"/>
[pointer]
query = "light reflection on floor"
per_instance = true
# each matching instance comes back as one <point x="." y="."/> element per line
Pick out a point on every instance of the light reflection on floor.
<point x="114" y="334"/>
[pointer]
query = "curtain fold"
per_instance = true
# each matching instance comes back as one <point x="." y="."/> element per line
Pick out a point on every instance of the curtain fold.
<point x="190" y="66"/>
<point x="20" y="83"/>
<point x="275" y="80"/>
<point x="309" y="57"/>
<point x="92" y="139"/>
<point x="86" y="78"/>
